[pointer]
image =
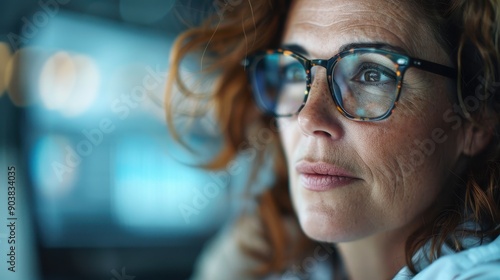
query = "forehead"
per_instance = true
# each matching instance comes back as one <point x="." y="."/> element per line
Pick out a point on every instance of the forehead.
<point x="323" y="26"/>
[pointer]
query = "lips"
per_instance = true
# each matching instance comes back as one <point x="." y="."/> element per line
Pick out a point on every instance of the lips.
<point x="321" y="176"/>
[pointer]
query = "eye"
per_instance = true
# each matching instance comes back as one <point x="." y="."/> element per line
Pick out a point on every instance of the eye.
<point x="374" y="74"/>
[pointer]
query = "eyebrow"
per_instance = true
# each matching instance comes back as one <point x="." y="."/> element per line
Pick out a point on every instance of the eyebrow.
<point x="377" y="45"/>
<point x="301" y="50"/>
<point x="296" y="49"/>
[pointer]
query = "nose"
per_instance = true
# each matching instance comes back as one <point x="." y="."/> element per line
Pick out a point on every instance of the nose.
<point x="319" y="116"/>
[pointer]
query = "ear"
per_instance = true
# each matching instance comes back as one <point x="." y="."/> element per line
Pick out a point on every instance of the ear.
<point x="476" y="139"/>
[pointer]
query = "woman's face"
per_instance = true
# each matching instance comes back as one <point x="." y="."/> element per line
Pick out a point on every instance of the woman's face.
<point x="351" y="179"/>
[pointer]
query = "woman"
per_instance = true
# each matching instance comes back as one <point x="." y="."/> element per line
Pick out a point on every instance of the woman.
<point x="386" y="136"/>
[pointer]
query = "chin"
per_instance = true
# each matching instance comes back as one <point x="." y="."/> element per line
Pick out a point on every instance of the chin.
<point x="328" y="225"/>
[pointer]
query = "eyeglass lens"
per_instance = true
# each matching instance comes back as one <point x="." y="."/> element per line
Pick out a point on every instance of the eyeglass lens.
<point x="364" y="84"/>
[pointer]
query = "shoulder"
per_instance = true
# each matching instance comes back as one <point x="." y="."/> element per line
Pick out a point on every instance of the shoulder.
<point x="482" y="262"/>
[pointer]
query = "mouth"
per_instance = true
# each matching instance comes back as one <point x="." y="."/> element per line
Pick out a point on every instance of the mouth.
<point x="321" y="176"/>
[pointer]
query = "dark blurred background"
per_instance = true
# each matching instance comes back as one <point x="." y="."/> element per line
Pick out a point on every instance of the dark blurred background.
<point x="101" y="188"/>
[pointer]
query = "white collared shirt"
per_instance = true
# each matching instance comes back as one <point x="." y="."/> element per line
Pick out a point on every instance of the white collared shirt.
<point x="481" y="262"/>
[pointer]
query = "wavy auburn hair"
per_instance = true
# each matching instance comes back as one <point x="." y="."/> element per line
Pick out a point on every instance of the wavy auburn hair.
<point x="469" y="30"/>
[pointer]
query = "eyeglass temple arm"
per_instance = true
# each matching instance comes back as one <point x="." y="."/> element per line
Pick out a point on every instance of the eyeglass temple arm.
<point x="434" y="68"/>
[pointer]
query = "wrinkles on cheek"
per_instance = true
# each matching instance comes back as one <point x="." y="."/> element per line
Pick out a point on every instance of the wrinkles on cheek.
<point x="386" y="167"/>
<point x="386" y="150"/>
<point x="390" y="180"/>
<point x="421" y="110"/>
<point x="421" y="95"/>
<point x="412" y="108"/>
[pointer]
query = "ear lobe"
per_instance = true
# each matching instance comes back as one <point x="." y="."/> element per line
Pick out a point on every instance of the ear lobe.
<point x="476" y="139"/>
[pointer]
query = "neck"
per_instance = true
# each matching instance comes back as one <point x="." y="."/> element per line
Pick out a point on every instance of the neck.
<point x="378" y="256"/>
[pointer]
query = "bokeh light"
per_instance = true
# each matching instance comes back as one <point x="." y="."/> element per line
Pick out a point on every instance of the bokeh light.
<point x="5" y="56"/>
<point x="86" y="86"/>
<point x="165" y="185"/>
<point x="69" y="83"/>
<point x="55" y="167"/>
<point x="57" y="80"/>
<point x="20" y="70"/>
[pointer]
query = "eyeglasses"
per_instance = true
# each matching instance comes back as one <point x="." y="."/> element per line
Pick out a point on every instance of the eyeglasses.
<point x="365" y="83"/>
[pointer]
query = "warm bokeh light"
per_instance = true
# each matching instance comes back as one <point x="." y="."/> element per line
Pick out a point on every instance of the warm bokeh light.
<point x="57" y="80"/>
<point x="69" y="83"/>
<point x="5" y="56"/>
<point x="86" y="86"/>
<point x="20" y="69"/>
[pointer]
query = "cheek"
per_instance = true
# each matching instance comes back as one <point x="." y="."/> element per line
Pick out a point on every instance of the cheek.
<point x="405" y="162"/>
<point x="410" y="161"/>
